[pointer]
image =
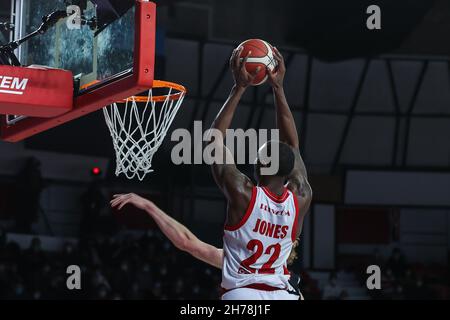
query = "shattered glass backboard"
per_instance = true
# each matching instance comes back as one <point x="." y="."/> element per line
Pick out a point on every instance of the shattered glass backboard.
<point x="90" y="57"/>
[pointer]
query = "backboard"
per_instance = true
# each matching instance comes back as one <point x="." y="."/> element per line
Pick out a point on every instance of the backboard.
<point x="109" y="48"/>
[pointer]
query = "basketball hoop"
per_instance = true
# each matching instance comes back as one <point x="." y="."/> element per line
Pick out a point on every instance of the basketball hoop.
<point x="139" y="124"/>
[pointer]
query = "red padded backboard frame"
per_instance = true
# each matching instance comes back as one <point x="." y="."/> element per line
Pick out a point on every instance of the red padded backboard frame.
<point x="140" y="80"/>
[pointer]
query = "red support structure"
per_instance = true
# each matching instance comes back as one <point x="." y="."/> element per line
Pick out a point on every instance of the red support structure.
<point x="35" y="92"/>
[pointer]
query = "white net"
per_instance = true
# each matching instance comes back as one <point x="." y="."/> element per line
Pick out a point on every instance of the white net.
<point x="138" y="127"/>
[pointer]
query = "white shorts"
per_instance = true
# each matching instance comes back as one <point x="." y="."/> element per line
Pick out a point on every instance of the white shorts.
<point x="254" y="294"/>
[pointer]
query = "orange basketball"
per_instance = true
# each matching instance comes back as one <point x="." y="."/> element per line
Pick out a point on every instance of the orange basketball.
<point x="262" y="56"/>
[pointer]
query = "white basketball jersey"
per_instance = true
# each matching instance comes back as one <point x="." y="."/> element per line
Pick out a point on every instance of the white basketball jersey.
<point x="256" y="250"/>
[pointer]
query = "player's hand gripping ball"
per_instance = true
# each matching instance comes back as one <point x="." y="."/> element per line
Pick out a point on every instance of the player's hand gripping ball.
<point x="261" y="56"/>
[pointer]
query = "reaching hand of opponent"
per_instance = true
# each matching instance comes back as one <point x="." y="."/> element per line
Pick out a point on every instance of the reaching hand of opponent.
<point x="120" y="200"/>
<point x="242" y="78"/>
<point x="276" y="77"/>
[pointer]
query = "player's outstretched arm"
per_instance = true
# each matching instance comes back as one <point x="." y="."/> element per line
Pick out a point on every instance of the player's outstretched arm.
<point x="298" y="179"/>
<point x="235" y="186"/>
<point x="242" y="80"/>
<point x="178" y="234"/>
<point x="285" y="119"/>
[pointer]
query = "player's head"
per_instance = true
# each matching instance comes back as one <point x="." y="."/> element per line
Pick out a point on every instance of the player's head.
<point x="275" y="159"/>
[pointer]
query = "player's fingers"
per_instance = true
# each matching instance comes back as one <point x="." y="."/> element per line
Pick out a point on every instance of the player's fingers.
<point x="115" y="202"/>
<point x="115" y="198"/>
<point x="233" y="58"/>
<point x="122" y="204"/>
<point x="119" y="198"/>
<point x="279" y="61"/>
<point x="271" y="73"/>
<point x="279" y="58"/>
<point x="127" y="196"/>
<point x="246" y="58"/>
<point x="237" y="56"/>
<point x="277" y="53"/>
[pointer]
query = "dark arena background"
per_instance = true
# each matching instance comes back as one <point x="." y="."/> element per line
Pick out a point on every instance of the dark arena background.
<point x="372" y="108"/>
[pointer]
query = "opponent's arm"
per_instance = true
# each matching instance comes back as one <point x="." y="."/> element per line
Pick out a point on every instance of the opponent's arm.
<point x="178" y="234"/>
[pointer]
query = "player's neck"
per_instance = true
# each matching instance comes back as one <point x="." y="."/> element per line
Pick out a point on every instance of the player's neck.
<point x="274" y="184"/>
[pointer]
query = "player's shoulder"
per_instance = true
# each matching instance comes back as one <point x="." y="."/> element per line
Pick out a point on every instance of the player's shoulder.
<point x="245" y="184"/>
<point x="300" y="187"/>
<point x="241" y="203"/>
<point x="302" y="194"/>
<point x="240" y="192"/>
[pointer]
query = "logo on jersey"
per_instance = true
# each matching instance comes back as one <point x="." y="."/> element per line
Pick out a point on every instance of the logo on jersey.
<point x="265" y="207"/>
<point x="13" y="85"/>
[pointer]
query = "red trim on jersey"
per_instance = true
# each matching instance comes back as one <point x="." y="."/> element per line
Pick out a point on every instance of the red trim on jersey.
<point x="297" y="212"/>
<point x="256" y="286"/>
<point x="247" y="213"/>
<point x="274" y="197"/>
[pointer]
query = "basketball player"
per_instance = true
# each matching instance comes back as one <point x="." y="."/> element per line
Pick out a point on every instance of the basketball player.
<point x="264" y="220"/>
<point x="182" y="238"/>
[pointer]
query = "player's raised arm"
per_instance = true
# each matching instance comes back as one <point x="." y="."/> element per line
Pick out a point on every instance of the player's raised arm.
<point x="242" y="80"/>
<point x="235" y="185"/>
<point x="298" y="179"/>
<point x="285" y="119"/>
<point x="178" y="234"/>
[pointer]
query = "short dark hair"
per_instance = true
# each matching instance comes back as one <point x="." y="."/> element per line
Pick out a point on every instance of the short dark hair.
<point x="286" y="158"/>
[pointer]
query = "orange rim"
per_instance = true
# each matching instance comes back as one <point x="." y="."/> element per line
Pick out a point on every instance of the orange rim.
<point x="160" y="84"/>
<point x="156" y="84"/>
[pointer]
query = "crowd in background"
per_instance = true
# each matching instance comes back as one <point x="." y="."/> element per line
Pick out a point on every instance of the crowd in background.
<point x="400" y="280"/>
<point x="112" y="267"/>
<point x="403" y="280"/>
<point x="148" y="267"/>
